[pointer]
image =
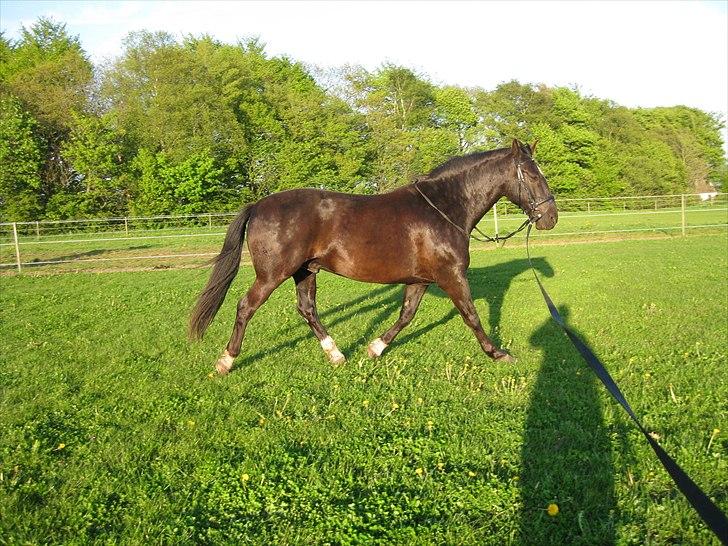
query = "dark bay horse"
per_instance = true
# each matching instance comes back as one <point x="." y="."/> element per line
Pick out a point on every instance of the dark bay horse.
<point x="399" y="237"/>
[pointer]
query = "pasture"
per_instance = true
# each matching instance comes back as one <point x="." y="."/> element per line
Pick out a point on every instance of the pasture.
<point x="115" y="431"/>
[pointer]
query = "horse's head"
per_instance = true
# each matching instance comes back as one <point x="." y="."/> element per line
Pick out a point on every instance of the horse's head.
<point x="528" y="187"/>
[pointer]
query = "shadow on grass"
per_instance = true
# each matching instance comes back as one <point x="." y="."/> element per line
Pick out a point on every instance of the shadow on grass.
<point x="385" y="298"/>
<point x="80" y="255"/>
<point x="490" y="284"/>
<point x="566" y="453"/>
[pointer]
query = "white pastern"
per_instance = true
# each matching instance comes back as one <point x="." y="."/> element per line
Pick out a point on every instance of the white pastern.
<point x="224" y="363"/>
<point x="332" y="351"/>
<point x="327" y="344"/>
<point x="376" y="347"/>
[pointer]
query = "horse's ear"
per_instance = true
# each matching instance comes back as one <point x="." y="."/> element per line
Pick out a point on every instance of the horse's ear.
<point x="533" y="147"/>
<point x="515" y="147"/>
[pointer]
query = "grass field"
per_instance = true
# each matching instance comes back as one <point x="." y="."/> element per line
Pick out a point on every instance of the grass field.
<point x="114" y="431"/>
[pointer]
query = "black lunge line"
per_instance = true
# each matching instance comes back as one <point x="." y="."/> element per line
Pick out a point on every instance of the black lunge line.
<point x="711" y="514"/>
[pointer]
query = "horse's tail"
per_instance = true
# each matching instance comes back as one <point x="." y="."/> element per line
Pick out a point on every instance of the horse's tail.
<point x="226" y="267"/>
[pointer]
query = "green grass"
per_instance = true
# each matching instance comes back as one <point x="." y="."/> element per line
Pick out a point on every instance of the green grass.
<point x="112" y="430"/>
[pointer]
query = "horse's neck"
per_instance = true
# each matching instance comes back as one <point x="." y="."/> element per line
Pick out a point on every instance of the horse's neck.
<point x="466" y="197"/>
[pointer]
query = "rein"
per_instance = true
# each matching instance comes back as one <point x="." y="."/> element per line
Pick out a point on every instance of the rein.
<point x="486" y="238"/>
<point x="533" y="205"/>
<point x="706" y="509"/>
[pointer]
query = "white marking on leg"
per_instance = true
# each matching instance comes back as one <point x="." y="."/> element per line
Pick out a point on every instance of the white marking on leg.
<point x="224" y="363"/>
<point x="327" y="344"/>
<point x="332" y="351"/>
<point x="376" y="348"/>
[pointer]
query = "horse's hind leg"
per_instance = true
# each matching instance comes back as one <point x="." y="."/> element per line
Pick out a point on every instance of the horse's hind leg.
<point x="458" y="289"/>
<point x="306" y="293"/>
<point x="247" y="306"/>
<point x="412" y="297"/>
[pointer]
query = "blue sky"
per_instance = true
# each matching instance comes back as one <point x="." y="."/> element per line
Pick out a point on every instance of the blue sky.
<point x="636" y="53"/>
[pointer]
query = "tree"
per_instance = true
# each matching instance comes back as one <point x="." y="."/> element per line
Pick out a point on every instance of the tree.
<point x="20" y="163"/>
<point x="94" y="151"/>
<point x="48" y="72"/>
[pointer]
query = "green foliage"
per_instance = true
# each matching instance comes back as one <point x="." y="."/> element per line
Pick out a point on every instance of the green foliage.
<point x="187" y="187"/>
<point x="247" y="125"/>
<point x="49" y="74"/>
<point x="20" y="163"/>
<point x="414" y="128"/>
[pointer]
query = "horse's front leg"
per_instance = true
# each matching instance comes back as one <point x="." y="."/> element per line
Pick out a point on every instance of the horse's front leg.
<point x="456" y="286"/>
<point x="412" y="297"/>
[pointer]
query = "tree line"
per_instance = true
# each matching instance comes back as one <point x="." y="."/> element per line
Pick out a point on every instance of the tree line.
<point x="194" y="125"/>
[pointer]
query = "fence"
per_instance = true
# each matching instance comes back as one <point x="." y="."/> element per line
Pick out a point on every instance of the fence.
<point x="190" y="240"/>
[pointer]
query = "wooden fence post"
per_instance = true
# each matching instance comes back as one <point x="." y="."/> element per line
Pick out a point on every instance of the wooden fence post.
<point x="682" y="210"/>
<point x="495" y="218"/>
<point x="126" y="225"/>
<point x="17" y="247"/>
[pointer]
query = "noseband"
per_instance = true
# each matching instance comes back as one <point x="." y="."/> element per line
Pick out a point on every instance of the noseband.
<point x="533" y="213"/>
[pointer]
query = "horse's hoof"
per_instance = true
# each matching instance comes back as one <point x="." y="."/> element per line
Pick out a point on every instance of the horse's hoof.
<point x="376" y="348"/>
<point x="505" y="357"/>
<point x="224" y="364"/>
<point x="336" y="357"/>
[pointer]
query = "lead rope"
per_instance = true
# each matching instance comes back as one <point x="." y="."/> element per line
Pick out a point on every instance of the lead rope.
<point x="706" y="508"/>
<point x="486" y="238"/>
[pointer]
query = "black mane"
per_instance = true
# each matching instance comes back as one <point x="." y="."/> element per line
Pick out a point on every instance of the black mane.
<point x="456" y="165"/>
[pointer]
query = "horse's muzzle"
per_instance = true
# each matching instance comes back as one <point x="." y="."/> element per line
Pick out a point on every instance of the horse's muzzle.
<point x="547" y="219"/>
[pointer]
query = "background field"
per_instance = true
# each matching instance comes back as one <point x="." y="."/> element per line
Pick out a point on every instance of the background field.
<point x="114" y="431"/>
<point x="184" y="241"/>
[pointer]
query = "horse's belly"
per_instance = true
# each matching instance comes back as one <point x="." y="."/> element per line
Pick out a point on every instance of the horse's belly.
<point x="373" y="261"/>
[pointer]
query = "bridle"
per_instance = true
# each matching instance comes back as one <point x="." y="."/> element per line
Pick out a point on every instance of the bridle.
<point x="533" y="214"/>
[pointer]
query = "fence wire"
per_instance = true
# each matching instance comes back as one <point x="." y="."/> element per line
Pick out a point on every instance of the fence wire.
<point x="191" y="240"/>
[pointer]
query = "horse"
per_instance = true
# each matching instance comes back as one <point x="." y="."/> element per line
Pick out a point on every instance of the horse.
<point x="415" y="235"/>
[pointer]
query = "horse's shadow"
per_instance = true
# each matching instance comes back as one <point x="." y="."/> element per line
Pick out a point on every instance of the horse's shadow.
<point x="489" y="283"/>
<point x="384" y="298"/>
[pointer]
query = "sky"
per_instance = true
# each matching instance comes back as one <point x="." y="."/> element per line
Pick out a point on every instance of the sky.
<point x="653" y="53"/>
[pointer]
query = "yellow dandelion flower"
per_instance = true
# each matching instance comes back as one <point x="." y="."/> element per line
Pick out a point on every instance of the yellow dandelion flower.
<point x="440" y="466"/>
<point x="419" y="471"/>
<point x="713" y="436"/>
<point x="191" y="423"/>
<point x="553" y="509"/>
<point x="365" y="403"/>
<point x="211" y="375"/>
<point x="471" y="473"/>
<point x="429" y="425"/>
<point x="395" y="406"/>
<point x="60" y="447"/>
<point x="420" y="401"/>
<point x="245" y="477"/>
